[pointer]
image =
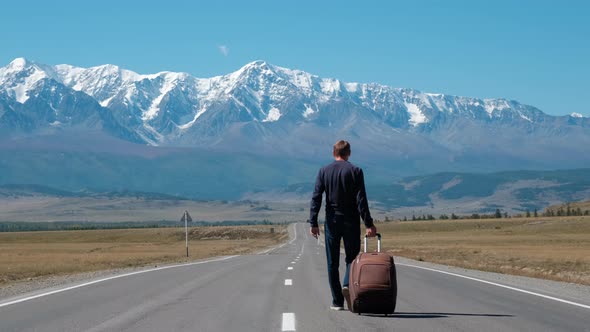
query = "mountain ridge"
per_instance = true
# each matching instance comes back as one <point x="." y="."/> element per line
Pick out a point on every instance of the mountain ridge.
<point x="164" y="108"/>
<point x="513" y="192"/>
<point x="261" y="120"/>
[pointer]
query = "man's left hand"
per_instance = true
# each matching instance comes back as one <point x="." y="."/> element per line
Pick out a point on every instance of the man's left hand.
<point x="315" y="232"/>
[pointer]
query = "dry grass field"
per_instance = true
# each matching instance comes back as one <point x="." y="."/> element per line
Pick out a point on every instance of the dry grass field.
<point x="551" y="248"/>
<point x="30" y="255"/>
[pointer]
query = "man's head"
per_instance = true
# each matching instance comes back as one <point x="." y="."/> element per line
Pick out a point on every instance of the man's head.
<point x="342" y="150"/>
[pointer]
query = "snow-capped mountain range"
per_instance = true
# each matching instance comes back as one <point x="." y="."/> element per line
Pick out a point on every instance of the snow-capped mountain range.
<point x="268" y="109"/>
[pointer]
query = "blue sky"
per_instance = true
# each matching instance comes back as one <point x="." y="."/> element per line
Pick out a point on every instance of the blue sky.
<point x="537" y="52"/>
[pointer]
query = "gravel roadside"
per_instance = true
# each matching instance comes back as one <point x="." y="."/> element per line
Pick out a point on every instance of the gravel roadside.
<point x="46" y="284"/>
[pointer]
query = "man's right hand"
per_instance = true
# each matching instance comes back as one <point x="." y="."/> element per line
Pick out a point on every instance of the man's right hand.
<point x="371" y="231"/>
<point x="315" y="232"/>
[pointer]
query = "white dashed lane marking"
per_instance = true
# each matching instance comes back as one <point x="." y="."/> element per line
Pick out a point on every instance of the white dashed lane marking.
<point x="290" y="268"/>
<point x="288" y="321"/>
<point x="288" y="282"/>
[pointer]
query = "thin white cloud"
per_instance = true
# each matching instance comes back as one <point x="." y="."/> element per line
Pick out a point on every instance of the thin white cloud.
<point x="223" y="49"/>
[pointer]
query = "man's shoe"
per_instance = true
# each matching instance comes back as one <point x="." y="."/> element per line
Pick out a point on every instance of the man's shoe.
<point x="346" y="294"/>
<point x="337" y="308"/>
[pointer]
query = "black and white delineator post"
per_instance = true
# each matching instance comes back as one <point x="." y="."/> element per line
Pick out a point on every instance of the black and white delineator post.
<point x="186" y="218"/>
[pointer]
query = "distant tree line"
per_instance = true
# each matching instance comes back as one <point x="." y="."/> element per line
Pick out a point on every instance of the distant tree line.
<point x="565" y="210"/>
<point x="498" y="214"/>
<point x="73" y="225"/>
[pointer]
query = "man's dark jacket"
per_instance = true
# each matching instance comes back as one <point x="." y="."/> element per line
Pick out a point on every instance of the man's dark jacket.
<point x="344" y="185"/>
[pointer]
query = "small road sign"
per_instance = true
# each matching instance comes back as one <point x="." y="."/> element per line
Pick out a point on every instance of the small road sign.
<point x="186" y="217"/>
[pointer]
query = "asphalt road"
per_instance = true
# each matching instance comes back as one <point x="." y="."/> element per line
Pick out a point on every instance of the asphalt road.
<point x="284" y="289"/>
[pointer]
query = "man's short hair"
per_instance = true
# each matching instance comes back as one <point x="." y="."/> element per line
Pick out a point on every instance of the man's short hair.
<point x="342" y="149"/>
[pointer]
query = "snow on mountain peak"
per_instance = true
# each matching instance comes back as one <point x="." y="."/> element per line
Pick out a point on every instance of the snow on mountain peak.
<point x="255" y="68"/>
<point x="492" y="105"/>
<point x="170" y="81"/>
<point x="274" y="114"/>
<point x="106" y="70"/>
<point x="416" y="115"/>
<point x="309" y="111"/>
<point x="258" y="64"/>
<point x="257" y="72"/>
<point x="18" y="63"/>
<point x="300" y="79"/>
<point x="268" y="74"/>
<point x="20" y="76"/>
<point x="576" y="115"/>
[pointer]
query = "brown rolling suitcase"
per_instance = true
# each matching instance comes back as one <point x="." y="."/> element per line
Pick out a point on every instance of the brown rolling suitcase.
<point x="373" y="282"/>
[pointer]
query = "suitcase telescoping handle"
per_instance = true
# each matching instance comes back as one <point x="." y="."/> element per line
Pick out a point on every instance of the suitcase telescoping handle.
<point x="378" y="242"/>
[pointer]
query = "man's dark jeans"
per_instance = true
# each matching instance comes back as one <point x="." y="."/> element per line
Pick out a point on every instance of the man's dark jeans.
<point x="338" y="228"/>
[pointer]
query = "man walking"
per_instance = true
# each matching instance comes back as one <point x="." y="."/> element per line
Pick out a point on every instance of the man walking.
<point x="346" y="203"/>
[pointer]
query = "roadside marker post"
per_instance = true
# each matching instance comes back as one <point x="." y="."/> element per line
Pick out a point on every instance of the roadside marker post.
<point x="186" y="218"/>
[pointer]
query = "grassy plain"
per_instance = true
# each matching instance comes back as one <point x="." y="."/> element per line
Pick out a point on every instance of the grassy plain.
<point x="129" y="209"/>
<point x="552" y="248"/>
<point x="29" y="255"/>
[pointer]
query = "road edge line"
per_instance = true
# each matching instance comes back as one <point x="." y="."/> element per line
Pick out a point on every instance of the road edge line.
<point x="6" y="304"/>
<point x="499" y="285"/>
